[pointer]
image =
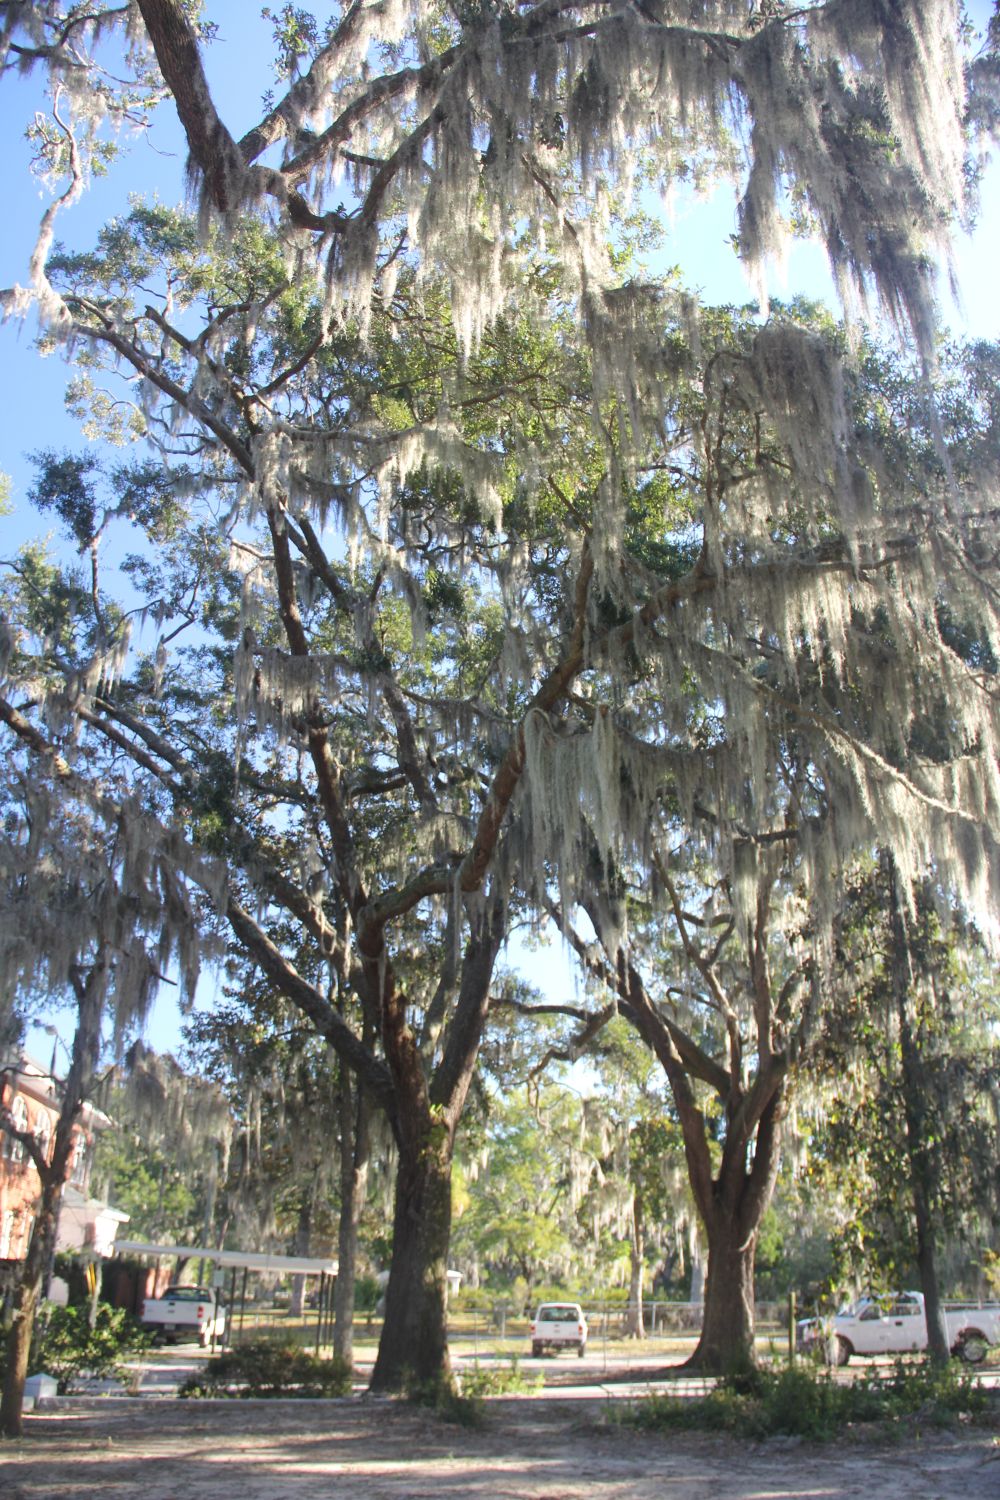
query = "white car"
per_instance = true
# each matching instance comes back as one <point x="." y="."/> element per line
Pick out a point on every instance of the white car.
<point x="559" y="1325"/>
<point x="896" y="1325"/>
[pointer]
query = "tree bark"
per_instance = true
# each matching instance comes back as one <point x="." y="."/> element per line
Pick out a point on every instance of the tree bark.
<point x="636" y="1324"/>
<point x="727" y="1330"/>
<point x="413" y="1349"/>
<point x="731" y="1203"/>
<point x="355" y="1147"/>
<point x="54" y="1175"/>
<point x="27" y="1296"/>
<point x="732" y="1219"/>
<point x="303" y="1245"/>
<point x="917" y="1148"/>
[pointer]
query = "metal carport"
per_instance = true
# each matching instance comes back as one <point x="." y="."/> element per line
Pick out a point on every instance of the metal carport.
<point x="247" y="1261"/>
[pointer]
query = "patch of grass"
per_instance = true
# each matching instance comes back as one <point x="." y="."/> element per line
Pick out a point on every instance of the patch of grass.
<point x="265" y="1367"/>
<point x="498" y="1380"/>
<point x="800" y="1402"/>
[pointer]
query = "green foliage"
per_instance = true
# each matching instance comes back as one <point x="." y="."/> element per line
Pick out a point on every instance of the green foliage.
<point x="991" y="1270"/>
<point x="950" y="1143"/>
<point x="69" y="1348"/>
<point x="65" y="485"/>
<point x="367" y="1292"/>
<point x="518" y="1219"/>
<point x="150" y="1185"/>
<point x="498" y="1380"/>
<point x="265" y="1368"/>
<point x="794" y="1248"/>
<point x="51" y="600"/>
<point x="800" y="1402"/>
<point x="296" y="35"/>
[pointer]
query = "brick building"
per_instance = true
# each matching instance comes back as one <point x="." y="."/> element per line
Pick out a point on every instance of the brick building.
<point x="30" y="1093"/>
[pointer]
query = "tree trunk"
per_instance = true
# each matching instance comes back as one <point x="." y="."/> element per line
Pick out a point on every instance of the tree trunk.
<point x="302" y="1246"/>
<point x="921" y="1167"/>
<point x="636" y="1323"/>
<point x="732" y="1203"/>
<point x="27" y="1296"/>
<point x="354" y="1154"/>
<point x="921" y="1188"/>
<point x="413" y="1349"/>
<point x="732" y="1218"/>
<point x="54" y="1175"/>
<point x="726" y="1344"/>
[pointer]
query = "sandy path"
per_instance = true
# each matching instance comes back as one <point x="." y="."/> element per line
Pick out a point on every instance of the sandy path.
<point x="528" y="1450"/>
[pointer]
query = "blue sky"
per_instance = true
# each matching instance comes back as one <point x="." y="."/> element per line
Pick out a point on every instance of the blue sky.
<point x="32" y="414"/>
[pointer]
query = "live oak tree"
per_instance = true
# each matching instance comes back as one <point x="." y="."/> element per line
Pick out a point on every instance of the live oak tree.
<point x="908" y="1122"/>
<point x="340" y="829"/>
<point x="351" y="452"/>
<point x="92" y="912"/>
<point x="95" y="906"/>
<point x="747" y="771"/>
<point x="615" y="774"/>
<point x="728" y="1013"/>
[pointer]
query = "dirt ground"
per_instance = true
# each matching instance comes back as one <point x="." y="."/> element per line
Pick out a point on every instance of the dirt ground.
<point x="528" y="1449"/>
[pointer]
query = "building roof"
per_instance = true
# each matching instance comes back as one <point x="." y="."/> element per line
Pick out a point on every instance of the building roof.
<point x="280" y="1265"/>
<point x="35" y="1080"/>
<point x="77" y="1203"/>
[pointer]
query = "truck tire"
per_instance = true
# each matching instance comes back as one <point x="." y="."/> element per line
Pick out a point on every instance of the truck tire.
<point x="536" y="1350"/>
<point x="973" y="1346"/>
<point x="842" y="1351"/>
<point x="581" y="1349"/>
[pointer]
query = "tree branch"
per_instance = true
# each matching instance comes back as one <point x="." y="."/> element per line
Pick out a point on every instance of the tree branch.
<point x="327" y="1020"/>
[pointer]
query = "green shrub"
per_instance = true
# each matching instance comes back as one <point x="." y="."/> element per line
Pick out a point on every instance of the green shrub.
<point x="367" y="1294"/>
<point x="69" y="1348"/>
<point x="938" y="1393"/>
<point x="268" y="1367"/>
<point x="498" y="1380"/>
<point x="800" y="1402"/>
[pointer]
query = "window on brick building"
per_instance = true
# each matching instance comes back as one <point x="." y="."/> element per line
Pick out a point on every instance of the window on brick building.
<point x="13" y="1149"/>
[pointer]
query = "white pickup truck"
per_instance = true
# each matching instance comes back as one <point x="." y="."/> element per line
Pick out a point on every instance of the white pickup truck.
<point x="186" y="1312"/>
<point x="896" y="1325"/>
<point x="559" y="1325"/>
